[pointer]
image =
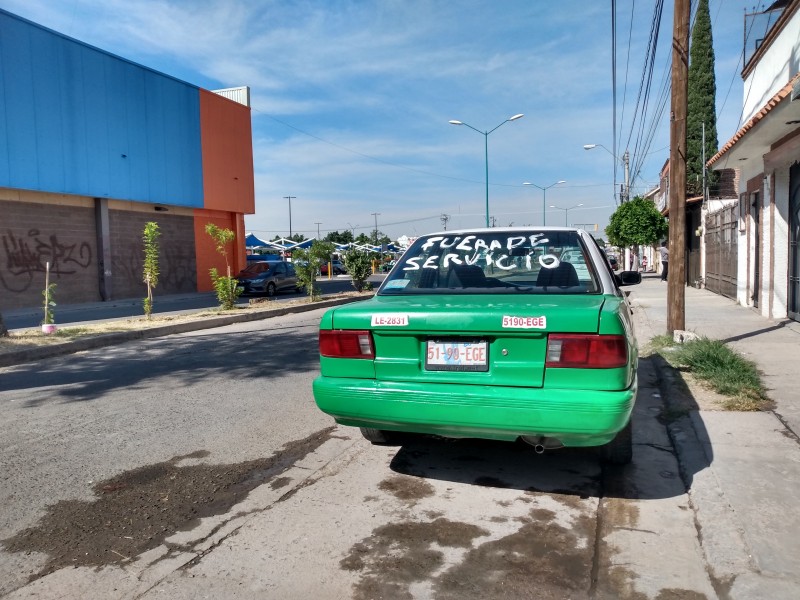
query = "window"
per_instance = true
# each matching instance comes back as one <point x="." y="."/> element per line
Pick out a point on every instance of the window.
<point x="508" y="262"/>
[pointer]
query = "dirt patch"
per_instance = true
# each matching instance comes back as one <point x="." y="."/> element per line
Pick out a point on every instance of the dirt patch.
<point x="407" y="488"/>
<point x="704" y="396"/>
<point x="137" y="510"/>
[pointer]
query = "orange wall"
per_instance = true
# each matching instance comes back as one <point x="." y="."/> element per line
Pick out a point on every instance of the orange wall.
<point x="207" y="255"/>
<point x="227" y="146"/>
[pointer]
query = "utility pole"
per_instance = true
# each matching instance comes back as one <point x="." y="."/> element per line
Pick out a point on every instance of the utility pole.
<point x="444" y="219"/>
<point x="317" y="224"/>
<point x="626" y="161"/>
<point x="289" y="198"/>
<point x="676" y="277"/>
<point x="376" y="226"/>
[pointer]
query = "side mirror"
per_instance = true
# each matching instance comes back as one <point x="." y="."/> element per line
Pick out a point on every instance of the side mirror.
<point x="628" y="278"/>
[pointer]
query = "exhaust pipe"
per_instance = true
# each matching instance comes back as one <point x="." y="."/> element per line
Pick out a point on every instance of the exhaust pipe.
<point x="541" y="443"/>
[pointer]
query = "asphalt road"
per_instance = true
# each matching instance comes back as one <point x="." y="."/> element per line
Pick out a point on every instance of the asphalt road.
<point x="103" y="453"/>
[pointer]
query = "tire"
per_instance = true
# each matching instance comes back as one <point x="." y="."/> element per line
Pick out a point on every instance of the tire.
<point x="376" y="436"/>
<point x="270" y="289"/>
<point x="619" y="451"/>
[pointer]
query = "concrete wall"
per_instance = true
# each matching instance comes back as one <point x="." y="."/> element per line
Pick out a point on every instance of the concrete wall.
<point x="777" y="63"/>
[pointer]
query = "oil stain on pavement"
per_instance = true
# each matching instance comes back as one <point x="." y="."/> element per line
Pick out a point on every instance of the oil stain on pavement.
<point x="137" y="510"/>
<point x="542" y="559"/>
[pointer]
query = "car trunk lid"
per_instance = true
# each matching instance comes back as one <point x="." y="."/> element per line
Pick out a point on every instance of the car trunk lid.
<point x="511" y="330"/>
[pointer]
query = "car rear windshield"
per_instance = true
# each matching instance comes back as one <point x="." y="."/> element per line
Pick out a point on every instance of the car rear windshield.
<point x="256" y="268"/>
<point x="527" y="262"/>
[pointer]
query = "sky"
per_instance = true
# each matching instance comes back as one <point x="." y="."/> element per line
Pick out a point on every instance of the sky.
<point x="351" y="101"/>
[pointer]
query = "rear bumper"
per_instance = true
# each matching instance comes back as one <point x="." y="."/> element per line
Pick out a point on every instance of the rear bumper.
<point x="575" y="417"/>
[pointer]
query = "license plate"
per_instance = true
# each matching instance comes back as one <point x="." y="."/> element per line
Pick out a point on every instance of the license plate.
<point x="452" y="355"/>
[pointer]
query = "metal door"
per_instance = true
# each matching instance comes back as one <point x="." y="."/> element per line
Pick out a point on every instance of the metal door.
<point x="722" y="251"/>
<point x="794" y="237"/>
<point x="756" y="207"/>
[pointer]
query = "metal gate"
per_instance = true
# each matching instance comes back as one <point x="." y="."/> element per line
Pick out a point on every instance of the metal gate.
<point x="794" y="242"/>
<point x="721" y="251"/>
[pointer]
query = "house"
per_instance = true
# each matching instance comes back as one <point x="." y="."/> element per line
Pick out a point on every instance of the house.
<point x="710" y="260"/>
<point x="766" y="151"/>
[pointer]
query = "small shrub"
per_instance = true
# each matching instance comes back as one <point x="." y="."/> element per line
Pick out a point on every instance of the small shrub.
<point x="48" y="292"/>
<point x="359" y="265"/>
<point x="227" y="288"/>
<point x="307" y="263"/>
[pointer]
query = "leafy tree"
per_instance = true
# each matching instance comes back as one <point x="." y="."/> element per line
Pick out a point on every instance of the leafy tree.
<point x="345" y="237"/>
<point x="363" y="239"/>
<point x="150" y="271"/>
<point x="359" y="265"/>
<point x="701" y="102"/>
<point x="227" y="287"/>
<point x="307" y="262"/>
<point x="635" y="223"/>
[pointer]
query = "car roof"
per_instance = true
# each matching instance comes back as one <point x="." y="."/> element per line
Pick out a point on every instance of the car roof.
<point x="485" y="230"/>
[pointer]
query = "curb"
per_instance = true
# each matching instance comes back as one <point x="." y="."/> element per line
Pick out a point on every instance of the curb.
<point x="111" y="339"/>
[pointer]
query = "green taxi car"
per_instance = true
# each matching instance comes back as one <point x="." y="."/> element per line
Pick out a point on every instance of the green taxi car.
<point x="489" y="333"/>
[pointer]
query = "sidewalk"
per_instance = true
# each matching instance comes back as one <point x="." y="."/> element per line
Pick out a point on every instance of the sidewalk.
<point x="11" y="356"/>
<point x="742" y="470"/>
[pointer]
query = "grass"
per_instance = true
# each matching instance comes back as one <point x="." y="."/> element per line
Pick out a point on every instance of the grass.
<point x="721" y="368"/>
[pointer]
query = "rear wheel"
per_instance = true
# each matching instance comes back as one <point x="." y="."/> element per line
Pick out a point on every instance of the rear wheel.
<point x="619" y="451"/>
<point x="377" y="436"/>
<point x="270" y="289"/>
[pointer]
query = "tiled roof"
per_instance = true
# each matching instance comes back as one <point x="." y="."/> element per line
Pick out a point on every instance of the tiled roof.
<point x="765" y="110"/>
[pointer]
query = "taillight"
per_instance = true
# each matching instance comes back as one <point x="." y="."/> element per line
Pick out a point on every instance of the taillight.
<point x="569" y="350"/>
<point x="343" y="343"/>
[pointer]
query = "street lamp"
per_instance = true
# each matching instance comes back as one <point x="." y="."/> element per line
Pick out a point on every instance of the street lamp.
<point x="625" y="160"/>
<point x="290" y="198"/>
<point x="566" y="211"/>
<point x="485" y="135"/>
<point x="544" y="196"/>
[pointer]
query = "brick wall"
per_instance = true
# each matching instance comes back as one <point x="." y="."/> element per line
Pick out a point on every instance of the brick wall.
<point x="33" y="234"/>
<point x="177" y="263"/>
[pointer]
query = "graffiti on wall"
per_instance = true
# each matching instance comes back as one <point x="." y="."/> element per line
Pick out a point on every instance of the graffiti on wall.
<point x="177" y="266"/>
<point x="23" y="257"/>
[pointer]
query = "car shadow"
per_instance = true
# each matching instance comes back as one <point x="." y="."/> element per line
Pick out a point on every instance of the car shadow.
<point x="670" y="446"/>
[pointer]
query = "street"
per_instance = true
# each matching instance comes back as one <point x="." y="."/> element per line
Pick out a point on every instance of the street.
<point x="198" y="464"/>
